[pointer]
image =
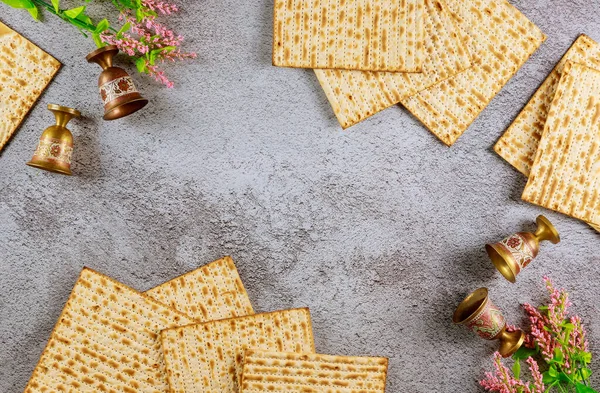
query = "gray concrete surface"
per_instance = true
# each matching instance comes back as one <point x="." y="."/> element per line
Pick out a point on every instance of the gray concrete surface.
<point x="379" y="229"/>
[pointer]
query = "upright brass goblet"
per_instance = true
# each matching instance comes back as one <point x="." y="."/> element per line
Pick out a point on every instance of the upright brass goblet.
<point x="480" y="315"/>
<point x="513" y="254"/>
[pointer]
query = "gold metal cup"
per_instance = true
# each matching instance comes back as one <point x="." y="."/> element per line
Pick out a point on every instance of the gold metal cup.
<point x="55" y="147"/>
<point x="481" y="316"/>
<point x="514" y="253"/>
<point x="117" y="90"/>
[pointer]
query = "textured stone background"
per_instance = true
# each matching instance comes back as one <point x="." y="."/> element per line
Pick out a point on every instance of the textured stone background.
<point x="379" y="230"/>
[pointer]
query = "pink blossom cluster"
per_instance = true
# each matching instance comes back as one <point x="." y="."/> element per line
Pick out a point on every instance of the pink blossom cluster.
<point x="149" y="40"/>
<point x="160" y="6"/>
<point x="548" y="331"/>
<point x="503" y="381"/>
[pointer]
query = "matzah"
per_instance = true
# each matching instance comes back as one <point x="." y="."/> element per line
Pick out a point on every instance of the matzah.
<point x="371" y="35"/>
<point x="501" y="39"/>
<point x="565" y="176"/>
<point x="214" y="291"/>
<point x="208" y="357"/>
<point x="25" y="72"/>
<point x="106" y="340"/>
<point x="520" y="141"/>
<point x="356" y="95"/>
<point x="265" y="372"/>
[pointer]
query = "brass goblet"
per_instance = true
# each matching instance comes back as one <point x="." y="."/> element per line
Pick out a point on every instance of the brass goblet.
<point x="480" y="315"/>
<point x="117" y="90"/>
<point x="514" y="253"/>
<point x="54" y="150"/>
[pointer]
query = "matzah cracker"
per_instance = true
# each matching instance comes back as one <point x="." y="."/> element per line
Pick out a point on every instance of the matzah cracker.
<point x="370" y="35"/>
<point x="106" y="340"/>
<point x="502" y="39"/>
<point x="265" y="372"/>
<point x="565" y="176"/>
<point x="520" y="141"/>
<point x="214" y="291"/>
<point x="25" y="72"/>
<point x="208" y="357"/>
<point x="356" y="95"/>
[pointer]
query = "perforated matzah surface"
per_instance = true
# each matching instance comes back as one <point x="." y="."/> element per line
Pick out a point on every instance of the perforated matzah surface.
<point x="25" y="71"/>
<point x="356" y="95"/>
<point x="371" y="35"/>
<point x="566" y="171"/>
<point x="265" y="372"/>
<point x="106" y="340"/>
<point x="208" y="357"/>
<point x="501" y="39"/>
<point x="214" y="291"/>
<point x="520" y="141"/>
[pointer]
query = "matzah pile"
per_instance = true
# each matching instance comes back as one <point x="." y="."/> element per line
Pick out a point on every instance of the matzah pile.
<point x="444" y="60"/>
<point x="111" y="338"/>
<point x="554" y="140"/>
<point x="565" y="175"/>
<point x="25" y="72"/>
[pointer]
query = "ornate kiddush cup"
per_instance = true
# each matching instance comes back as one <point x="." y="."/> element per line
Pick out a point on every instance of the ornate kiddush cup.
<point x="55" y="148"/>
<point x="117" y="90"/>
<point x="514" y="253"/>
<point x="480" y="315"/>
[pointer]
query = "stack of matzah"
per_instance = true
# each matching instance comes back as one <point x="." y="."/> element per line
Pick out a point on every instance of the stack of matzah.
<point x="195" y="333"/>
<point x="555" y="140"/>
<point x="444" y="60"/>
<point x="25" y="71"/>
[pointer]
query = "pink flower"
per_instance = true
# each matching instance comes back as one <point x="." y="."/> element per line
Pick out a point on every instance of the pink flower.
<point x="148" y="40"/>
<point x="503" y="381"/>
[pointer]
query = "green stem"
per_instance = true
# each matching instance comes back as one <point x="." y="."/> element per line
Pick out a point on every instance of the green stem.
<point x="61" y="15"/>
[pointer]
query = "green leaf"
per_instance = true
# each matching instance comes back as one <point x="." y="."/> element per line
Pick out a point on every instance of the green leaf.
<point x="139" y="14"/>
<point x="33" y="11"/>
<point x="19" y="3"/>
<point x="523" y="353"/>
<point x="517" y="369"/>
<point x="23" y="4"/>
<point x="102" y="26"/>
<point x="155" y="52"/>
<point x="558" y="355"/>
<point x="56" y="4"/>
<point x="586" y="357"/>
<point x="563" y="377"/>
<point x="586" y="373"/>
<point x="73" y="13"/>
<point x="581" y="388"/>
<point x="549" y="378"/>
<point x="97" y="40"/>
<point x="140" y="64"/>
<point x="123" y="29"/>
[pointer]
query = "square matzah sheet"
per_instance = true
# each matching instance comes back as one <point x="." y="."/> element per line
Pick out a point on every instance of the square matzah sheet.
<point x="106" y="340"/>
<point x="371" y="35"/>
<point x="208" y="357"/>
<point x="25" y="72"/>
<point x="266" y="372"/>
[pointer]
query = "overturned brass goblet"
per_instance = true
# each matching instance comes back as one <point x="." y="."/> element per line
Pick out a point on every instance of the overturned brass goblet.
<point x="117" y="90"/>
<point x="480" y="315"/>
<point x="513" y="254"/>
<point x="55" y="147"/>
